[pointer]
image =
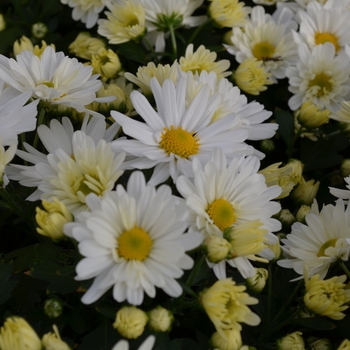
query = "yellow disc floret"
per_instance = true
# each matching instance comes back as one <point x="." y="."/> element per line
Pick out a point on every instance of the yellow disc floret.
<point x="324" y="246"/>
<point x="263" y="50"/>
<point x="222" y="213"/>
<point x="321" y="38"/>
<point x="134" y="244"/>
<point x="179" y="141"/>
<point x="323" y="82"/>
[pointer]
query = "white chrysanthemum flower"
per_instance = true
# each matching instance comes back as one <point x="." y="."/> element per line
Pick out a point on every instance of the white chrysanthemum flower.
<point x="161" y="14"/>
<point x="319" y="76"/>
<point x="233" y="196"/>
<point x="54" y="78"/>
<point x="86" y="11"/>
<point x="15" y="116"/>
<point x="267" y="38"/>
<point x="251" y="115"/>
<point x="320" y="25"/>
<point x="344" y="194"/>
<point x="321" y="242"/>
<point x="171" y="137"/>
<point x="268" y="2"/>
<point x="146" y="345"/>
<point x="78" y="163"/>
<point x="133" y="240"/>
<point x="125" y="22"/>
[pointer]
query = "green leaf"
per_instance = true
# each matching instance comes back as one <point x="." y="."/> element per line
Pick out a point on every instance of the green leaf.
<point x="6" y="285"/>
<point x="317" y="323"/>
<point x="132" y="51"/>
<point x="285" y="121"/>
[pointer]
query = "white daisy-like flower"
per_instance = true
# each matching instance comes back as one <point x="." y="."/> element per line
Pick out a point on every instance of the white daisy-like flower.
<point x="344" y="194"/>
<point x="134" y="241"/>
<point x="319" y="76"/>
<point x="15" y="116"/>
<point x="321" y="242"/>
<point x="171" y="137"/>
<point x="267" y="38"/>
<point x="86" y="11"/>
<point x="233" y="197"/>
<point x="251" y="115"/>
<point x="161" y="14"/>
<point x="146" y="345"/>
<point x="54" y="78"/>
<point x="320" y="24"/>
<point x="78" y="163"/>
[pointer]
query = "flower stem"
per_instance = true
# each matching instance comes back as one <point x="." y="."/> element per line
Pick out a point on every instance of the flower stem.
<point x="196" y="32"/>
<point x="345" y="269"/>
<point x="173" y="41"/>
<point x="269" y="294"/>
<point x="291" y="145"/>
<point x="195" y="270"/>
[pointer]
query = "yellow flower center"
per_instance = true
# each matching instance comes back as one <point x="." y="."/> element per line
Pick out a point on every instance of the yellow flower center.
<point x="323" y="81"/>
<point x="222" y="213"/>
<point x="179" y="142"/>
<point x="89" y="184"/>
<point x="321" y="38"/>
<point x="48" y="84"/>
<point x="263" y="50"/>
<point x="330" y="243"/>
<point x="134" y="244"/>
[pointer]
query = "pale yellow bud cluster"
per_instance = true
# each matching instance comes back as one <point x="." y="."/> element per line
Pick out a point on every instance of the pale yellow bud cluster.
<point x="52" y="219"/>
<point x="228" y="13"/>
<point x="251" y="77"/>
<point x="327" y="297"/>
<point x="130" y="322"/>
<point x="160" y="319"/>
<point x="258" y="281"/>
<point x="226" y="305"/>
<point x="25" y="44"/>
<point x="305" y="192"/>
<point x="231" y="340"/>
<point x="293" y="341"/>
<point x="106" y="63"/>
<point x="311" y="117"/>
<point x="84" y="46"/>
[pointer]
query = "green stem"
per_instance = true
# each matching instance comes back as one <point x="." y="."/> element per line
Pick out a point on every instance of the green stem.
<point x="196" y="32"/>
<point x="150" y="47"/>
<point x="194" y="271"/>
<point x="40" y="121"/>
<point x="345" y="269"/>
<point x="291" y="146"/>
<point x="269" y="294"/>
<point x="335" y="133"/>
<point x="173" y="41"/>
<point x="284" y="323"/>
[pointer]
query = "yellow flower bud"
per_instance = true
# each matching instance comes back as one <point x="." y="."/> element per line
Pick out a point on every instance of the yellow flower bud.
<point x="286" y="218"/>
<point x="251" y="76"/>
<point x="305" y="192"/>
<point x="319" y="344"/>
<point x="5" y="158"/>
<point x="22" y="44"/>
<point x="293" y="341"/>
<point x="39" y="30"/>
<point x="52" y="219"/>
<point x="345" y="168"/>
<point x="297" y="170"/>
<point x="160" y="319"/>
<point x="226" y="39"/>
<point x="345" y="345"/>
<point x="106" y="63"/>
<point x="52" y="341"/>
<point x="17" y="334"/>
<point x="2" y="22"/>
<point x="302" y="212"/>
<point x="258" y="281"/>
<point x="231" y="341"/>
<point x="216" y="248"/>
<point x="311" y="117"/>
<point x="130" y="322"/>
<point x="84" y="46"/>
<point x="276" y="249"/>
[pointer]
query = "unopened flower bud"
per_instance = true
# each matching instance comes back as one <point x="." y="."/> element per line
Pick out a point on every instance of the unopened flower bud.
<point x="267" y="146"/>
<point x="345" y="345"/>
<point x="106" y="63"/>
<point x="297" y="170"/>
<point x="311" y="117"/>
<point x="345" y="168"/>
<point x="2" y="22"/>
<point x="305" y="192"/>
<point x="53" y="308"/>
<point x="160" y="319"/>
<point x="232" y="341"/>
<point x="257" y="282"/>
<point x="319" y="344"/>
<point x="39" y="30"/>
<point x="22" y="44"/>
<point x="276" y="249"/>
<point x="286" y="218"/>
<point x="53" y="341"/>
<point x="216" y="248"/>
<point x="302" y="212"/>
<point x="293" y="341"/>
<point x="130" y="322"/>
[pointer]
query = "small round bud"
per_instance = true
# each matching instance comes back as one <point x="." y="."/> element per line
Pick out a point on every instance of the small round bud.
<point x="216" y="248"/>
<point x="305" y="192"/>
<point x="302" y="212"/>
<point x="233" y="340"/>
<point x="258" y="281"/>
<point x="130" y="322"/>
<point x="160" y="319"/>
<point x="267" y="146"/>
<point x="39" y="30"/>
<point x="293" y="341"/>
<point x="106" y="63"/>
<point x="345" y="168"/>
<point x="53" y="308"/>
<point x="286" y="218"/>
<point x="2" y="22"/>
